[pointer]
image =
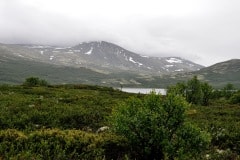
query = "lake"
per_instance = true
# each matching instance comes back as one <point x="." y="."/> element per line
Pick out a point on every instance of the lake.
<point x="144" y="90"/>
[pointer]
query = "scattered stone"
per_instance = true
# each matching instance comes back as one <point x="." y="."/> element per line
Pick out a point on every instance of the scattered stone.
<point x="102" y="129"/>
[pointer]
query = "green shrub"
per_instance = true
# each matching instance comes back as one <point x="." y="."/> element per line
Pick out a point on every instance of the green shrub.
<point x="35" y="81"/>
<point x="195" y="91"/>
<point x="69" y="144"/>
<point x="12" y="142"/>
<point x="61" y="145"/>
<point x="155" y="128"/>
<point x="235" y="98"/>
<point x="115" y="147"/>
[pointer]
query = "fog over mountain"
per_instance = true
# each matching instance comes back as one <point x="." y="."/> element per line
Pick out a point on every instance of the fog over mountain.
<point x="205" y="32"/>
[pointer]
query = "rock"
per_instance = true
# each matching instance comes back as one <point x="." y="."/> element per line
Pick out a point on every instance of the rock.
<point x="102" y="129"/>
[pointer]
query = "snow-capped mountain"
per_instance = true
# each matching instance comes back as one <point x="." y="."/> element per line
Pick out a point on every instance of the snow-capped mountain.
<point x="101" y="56"/>
<point x="108" y="55"/>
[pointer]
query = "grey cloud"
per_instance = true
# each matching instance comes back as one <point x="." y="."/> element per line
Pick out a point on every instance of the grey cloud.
<point x="204" y="38"/>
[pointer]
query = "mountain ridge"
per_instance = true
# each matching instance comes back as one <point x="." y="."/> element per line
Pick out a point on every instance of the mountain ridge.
<point x="110" y="65"/>
<point x="102" y="56"/>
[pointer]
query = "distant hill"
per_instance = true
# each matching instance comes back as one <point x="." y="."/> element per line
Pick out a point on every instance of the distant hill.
<point x="218" y="74"/>
<point x="222" y="73"/>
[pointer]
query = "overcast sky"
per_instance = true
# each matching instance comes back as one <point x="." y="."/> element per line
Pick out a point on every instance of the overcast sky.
<point x="204" y="31"/>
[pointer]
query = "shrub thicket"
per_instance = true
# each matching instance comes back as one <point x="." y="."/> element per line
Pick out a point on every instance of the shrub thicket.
<point x="155" y="128"/>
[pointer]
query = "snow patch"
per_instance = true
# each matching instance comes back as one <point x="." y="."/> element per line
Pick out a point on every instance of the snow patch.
<point x="37" y="47"/>
<point x="51" y="58"/>
<point x="144" y="56"/>
<point x="59" y="48"/>
<point x="41" y="52"/>
<point x="131" y="60"/>
<point x="169" y="66"/>
<point x="174" y="60"/>
<point x="89" y="52"/>
<point x="179" y="70"/>
<point x="20" y="55"/>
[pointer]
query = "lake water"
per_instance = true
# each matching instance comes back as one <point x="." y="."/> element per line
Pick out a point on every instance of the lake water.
<point x="144" y="90"/>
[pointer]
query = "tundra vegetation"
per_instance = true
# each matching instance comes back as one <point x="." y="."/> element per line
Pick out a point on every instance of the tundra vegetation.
<point x="193" y="121"/>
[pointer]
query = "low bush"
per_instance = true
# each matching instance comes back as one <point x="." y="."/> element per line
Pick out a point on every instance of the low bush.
<point x="235" y="98"/>
<point x="60" y="144"/>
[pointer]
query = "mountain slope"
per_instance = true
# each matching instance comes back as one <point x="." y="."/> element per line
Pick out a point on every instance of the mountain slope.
<point x="111" y="56"/>
<point x="99" y="63"/>
<point x="17" y="70"/>
<point x="101" y="56"/>
<point x="218" y="75"/>
<point x="222" y="73"/>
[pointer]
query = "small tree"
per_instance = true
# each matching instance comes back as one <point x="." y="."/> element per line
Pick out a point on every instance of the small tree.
<point x="35" y="81"/>
<point x="194" y="91"/>
<point x="235" y="98"/>
<point x="179" y="89"/>
<point x="43" y="82"/>
<point x="228" y="90"/>
<point x="156" y="128"/>
<point x="207" y="93"/>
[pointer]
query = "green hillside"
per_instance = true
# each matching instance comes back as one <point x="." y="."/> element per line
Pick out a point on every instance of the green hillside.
<point x="222" y="73"/>
<point x="15" y="71"/>
<point x="217" y="75"/>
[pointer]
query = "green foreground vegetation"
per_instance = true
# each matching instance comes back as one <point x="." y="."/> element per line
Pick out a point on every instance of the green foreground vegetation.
<point x="194" y="121"/>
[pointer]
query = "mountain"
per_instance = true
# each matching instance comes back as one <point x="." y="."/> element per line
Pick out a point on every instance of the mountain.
<point x="89" y="62"/>
<point x="115" y="58"/>
<point x="101" y="56"/>
<point x="104" y="63"/>
<point x="218" y="75"/>
<point x="222" y="73"/>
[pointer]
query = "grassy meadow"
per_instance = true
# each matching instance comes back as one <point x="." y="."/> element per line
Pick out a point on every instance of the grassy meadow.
<point x="61" y="121"/>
